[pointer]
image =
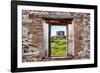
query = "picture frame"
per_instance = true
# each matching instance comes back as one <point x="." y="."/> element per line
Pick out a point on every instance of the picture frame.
<point x="81" y="16"/>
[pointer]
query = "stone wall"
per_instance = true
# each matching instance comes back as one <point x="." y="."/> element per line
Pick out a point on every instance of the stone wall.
<point x="82" y="35"/>
<point x="33" y="49"/>
<point x="33" y="39"/>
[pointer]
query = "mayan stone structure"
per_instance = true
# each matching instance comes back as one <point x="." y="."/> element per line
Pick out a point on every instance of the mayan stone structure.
<point x="33" y="38"/>
<point x="33" y="41"/>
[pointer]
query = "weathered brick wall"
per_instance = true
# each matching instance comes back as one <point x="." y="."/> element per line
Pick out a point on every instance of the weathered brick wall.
<point x="82" y="35"/>
<point x="33" y="49"/>
<point x="33" y="37"/>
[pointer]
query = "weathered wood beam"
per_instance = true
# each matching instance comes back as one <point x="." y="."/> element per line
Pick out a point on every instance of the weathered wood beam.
<point x="57" y="21"/>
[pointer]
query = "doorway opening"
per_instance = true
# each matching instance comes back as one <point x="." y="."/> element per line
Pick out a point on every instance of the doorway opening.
<point x="58" y="41"/>
<point x="58" y="38"/>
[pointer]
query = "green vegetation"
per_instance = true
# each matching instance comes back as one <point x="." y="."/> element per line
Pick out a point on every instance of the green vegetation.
<point x="58" y="46"/>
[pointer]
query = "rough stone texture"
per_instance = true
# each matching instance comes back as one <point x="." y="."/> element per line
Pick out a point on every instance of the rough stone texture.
<point x="32" y="39"/>
<point x="33" y="48"/>
<point x="82" y="35"/>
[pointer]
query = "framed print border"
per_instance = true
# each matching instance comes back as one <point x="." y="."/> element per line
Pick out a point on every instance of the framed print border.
<point x="14" y="34"/>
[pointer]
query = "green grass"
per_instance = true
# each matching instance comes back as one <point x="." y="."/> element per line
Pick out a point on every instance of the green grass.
<point x="58" y="46"/>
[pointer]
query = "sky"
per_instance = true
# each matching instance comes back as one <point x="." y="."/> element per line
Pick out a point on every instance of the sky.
<point x="54" y="29"/>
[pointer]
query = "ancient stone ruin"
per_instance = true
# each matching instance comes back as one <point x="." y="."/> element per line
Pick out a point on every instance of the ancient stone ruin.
<point x="35" y="38"/>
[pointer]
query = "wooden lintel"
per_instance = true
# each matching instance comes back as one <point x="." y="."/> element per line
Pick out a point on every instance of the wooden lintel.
<point x="59" y="22"/>
<point x="58" y="19"/>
